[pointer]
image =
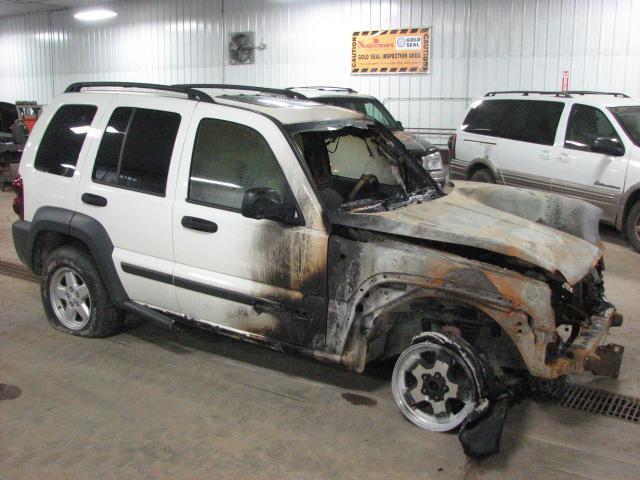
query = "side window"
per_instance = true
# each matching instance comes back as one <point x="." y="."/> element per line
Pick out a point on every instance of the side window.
<point x="62" y="141"/>
<point x="228" y="159"/>
<point x="532" y="121"/>
<point x="585" y="125"/>
<point x="374" y="112"/>
<point x="136" y="148"/>
<point x="485" y="117"/>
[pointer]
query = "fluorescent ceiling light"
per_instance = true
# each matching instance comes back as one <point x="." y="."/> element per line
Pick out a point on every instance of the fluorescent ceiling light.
<point x="94" y="15"/>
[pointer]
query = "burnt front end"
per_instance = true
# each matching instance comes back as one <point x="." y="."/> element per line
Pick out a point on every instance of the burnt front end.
<point x="583" y="319"/>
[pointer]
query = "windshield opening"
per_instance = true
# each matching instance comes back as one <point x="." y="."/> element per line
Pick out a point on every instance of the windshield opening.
<point x="629" y="120"/>
<point x="368" y="106"/>
<point x="361" y="166"/>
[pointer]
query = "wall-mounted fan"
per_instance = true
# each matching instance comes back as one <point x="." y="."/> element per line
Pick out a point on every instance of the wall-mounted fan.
<point x="241" y="48"/>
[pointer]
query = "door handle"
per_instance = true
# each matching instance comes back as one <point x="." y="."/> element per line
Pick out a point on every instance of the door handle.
<point x="95" y="200"/>
<point x="199" y="224"/>
<point x="545" y="155"/>
<point x="563" y="158"/>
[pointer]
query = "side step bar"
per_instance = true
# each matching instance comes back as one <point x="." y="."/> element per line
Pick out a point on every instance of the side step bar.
<point x="149" y="314"/>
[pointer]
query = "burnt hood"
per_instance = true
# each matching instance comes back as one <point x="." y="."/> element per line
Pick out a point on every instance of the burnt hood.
<point x="412" y="142"/>
<point x="557" y="234"/>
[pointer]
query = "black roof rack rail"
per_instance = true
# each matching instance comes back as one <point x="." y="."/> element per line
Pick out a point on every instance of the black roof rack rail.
<point x="249" y="88"/>
<point x="191" y="93"/>
<point x="590" y="92"/>
<point x="525" y="93"/>
<point x="327" y="88"/>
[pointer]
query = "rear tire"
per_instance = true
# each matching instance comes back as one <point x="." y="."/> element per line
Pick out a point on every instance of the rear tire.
<point x="483" y="175"/>
<point x="74" y="296"/>
<point x="632" y="226"/>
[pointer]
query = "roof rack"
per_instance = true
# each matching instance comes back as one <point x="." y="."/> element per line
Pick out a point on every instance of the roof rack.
<point x="250" y="88"/>
<point x="327" y="88"/>
<point x="189" y="92"/>
<point x="525" y="93"/>
<point x="589" y="92"/>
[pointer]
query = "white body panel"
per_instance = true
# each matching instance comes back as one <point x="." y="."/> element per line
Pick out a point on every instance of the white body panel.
<point x="138" y="223"/>
<point x="61" y="191"/>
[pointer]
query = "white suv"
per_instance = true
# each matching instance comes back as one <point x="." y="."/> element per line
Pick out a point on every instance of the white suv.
<point x="261" y="217"/>
<point x="580" y="144"/>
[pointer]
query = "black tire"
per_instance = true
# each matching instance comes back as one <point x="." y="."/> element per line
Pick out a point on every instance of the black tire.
<point x="102" y="317"/>
<point x="483" y="175"/>
<point x="632" y="226"/>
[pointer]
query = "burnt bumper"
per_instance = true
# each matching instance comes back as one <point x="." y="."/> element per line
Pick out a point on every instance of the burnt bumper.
<point x="588" y="354"/>
<point x="606" y="360"/>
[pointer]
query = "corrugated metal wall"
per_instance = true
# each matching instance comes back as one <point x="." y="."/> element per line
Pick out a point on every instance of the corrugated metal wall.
<point x="477" y="45"/>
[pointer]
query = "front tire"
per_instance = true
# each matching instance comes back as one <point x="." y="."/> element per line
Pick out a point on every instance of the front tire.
<point x="74" y="296"/>
<point x="632" y="226"/>
<point x="438" y="381"/>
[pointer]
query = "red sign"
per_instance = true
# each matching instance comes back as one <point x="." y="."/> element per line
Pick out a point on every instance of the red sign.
<point x="565" y="81"/>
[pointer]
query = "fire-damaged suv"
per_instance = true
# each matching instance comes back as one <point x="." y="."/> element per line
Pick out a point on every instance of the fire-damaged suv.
<point x="310" y="229"/>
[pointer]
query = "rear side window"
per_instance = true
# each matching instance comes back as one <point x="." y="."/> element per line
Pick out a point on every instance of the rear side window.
<point x="136" y="148"/>
<point x="62" y="141"/>
<point x="228" y="159"/>
<point x="530" y="121"/>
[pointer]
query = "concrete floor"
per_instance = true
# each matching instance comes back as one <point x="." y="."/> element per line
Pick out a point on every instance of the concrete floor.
<point x="153" y="404"/>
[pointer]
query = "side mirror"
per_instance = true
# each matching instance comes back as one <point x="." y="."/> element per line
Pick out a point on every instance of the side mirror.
<point x="608" y="146"/>
<point x="399" y="125"/>
<point x="265" y="203"/>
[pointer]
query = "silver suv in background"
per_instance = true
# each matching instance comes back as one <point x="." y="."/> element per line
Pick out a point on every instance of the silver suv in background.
<point x="584" y="145"/>
<point x="426" y="153"/>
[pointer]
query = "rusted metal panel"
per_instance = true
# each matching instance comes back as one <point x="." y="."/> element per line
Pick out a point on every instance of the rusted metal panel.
<point x="548" y="231"/>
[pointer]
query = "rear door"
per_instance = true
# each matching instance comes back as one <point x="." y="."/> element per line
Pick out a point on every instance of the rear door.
<point x="581" y="173"/>
<point x="130" y="190"/>
<point x="259" y="278"/>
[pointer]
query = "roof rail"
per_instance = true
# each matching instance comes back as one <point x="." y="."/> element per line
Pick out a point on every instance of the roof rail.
<point x="589" y="92"/>
<point x="525" y="93"/>
<point x="327" y="88"/>
<point x="250" y="88"/>
<point x="189" y="92"/>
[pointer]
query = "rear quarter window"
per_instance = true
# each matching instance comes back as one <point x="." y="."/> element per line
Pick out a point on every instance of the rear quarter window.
<point x="532" y="121"/>
<point x="62" y="141"/>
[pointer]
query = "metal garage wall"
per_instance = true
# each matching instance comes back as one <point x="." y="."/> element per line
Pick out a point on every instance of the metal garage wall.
<point x="25" y="69"/>
<point x="153" y="41"/>
<point x="477" y="45"/>
<point x="527" y="44"/>
<point x="309" y="43"/>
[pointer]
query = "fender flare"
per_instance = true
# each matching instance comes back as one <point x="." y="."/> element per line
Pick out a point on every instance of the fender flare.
<point x="85" y="229"/>
<point x="486" y="163"/>
<point x="624" y="204"/>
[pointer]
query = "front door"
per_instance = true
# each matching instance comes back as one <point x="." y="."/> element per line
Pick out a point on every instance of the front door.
<point x="258" y="278"/>
<point x="581" y="173"/>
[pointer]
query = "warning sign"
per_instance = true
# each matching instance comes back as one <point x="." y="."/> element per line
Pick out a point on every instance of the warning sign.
<point x="391" y="51"/>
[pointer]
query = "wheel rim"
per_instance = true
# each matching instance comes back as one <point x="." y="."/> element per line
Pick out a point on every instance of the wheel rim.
<point x="636" y="228"/>
<point x="70" y="298"/>
<point x="433" y="386"/>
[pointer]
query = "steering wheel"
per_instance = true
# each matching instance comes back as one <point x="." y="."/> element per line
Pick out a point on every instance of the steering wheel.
<point x="364" y="180"/>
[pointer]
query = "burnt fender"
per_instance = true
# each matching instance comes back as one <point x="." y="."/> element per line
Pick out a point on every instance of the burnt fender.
<point x="88" y="231"/>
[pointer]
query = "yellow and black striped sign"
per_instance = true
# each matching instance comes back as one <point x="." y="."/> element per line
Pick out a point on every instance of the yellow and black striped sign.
<point x="405" y="50"/>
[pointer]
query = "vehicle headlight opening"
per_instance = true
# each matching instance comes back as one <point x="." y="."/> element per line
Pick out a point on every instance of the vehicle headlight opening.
<point x="432" y="161"/>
